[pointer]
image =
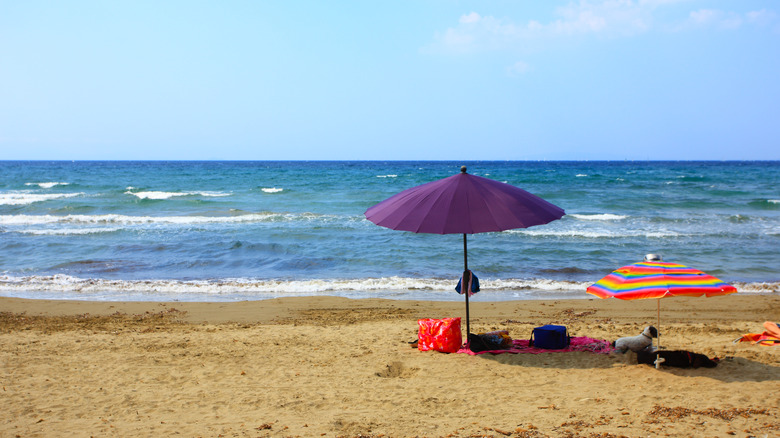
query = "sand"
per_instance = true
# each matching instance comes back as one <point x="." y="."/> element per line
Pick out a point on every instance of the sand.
<point x="337" y="367"/>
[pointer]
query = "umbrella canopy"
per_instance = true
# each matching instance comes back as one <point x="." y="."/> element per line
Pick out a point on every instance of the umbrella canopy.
<point x="658" y="279"/>
<point x="463" y="204"/>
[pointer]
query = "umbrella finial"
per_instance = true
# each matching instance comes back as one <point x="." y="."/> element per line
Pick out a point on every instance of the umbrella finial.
<point x="462" y="169"/>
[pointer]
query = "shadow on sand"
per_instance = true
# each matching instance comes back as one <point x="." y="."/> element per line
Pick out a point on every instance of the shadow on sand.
<point x="729" y="369"/>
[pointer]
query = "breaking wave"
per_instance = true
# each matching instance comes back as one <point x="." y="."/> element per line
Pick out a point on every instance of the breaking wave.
<point x="23" y="198"/>
<point x="18" y="220"/>
<point x="46" y="185"/>
<point x="598" y="234"/>
<point x="70" y="232"/>
<point x="598" y="217"/>
<point x="167" y="195"/>
<point x="69" y="287"/>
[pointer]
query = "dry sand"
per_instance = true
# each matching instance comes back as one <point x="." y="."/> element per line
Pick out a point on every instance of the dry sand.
<point x="339" y="367"/>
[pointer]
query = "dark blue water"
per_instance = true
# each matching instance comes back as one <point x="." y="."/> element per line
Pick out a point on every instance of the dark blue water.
<point x="251" y="230"/>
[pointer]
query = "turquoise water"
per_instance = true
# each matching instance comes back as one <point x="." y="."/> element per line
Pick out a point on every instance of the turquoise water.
<point x="252" y="230"/>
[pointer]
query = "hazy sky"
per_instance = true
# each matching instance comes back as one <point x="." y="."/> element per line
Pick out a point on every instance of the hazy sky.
<point x="399" y="80"/>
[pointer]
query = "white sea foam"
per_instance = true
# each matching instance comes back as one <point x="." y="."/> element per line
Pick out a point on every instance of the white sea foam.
<point x="580" y="175"/>
<point x="387" y="176"/>
<point x="213" y="194"/>
<point x="762" y="288"/>
<point x="70" y="287"/>
<point x="24" y="198"/>
<point x="66" y="283"/>
<point x="68" y="232"/>
<point x="773" y="201"/>
<point x="535" y="284"/>
<point x="47" y="185"/>
<point x="599" y="217"/>
<point x="272" y="190"/>
<point x="155" y="195"/>
<point x="22" y="220"/>
<point x="597" y="234"/>
<point x="167" y="195"/>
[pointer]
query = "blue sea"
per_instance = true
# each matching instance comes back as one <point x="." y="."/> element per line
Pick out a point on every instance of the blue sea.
<point x="226" y="231"/>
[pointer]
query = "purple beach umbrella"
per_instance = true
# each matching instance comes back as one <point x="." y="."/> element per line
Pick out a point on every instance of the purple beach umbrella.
<point x="463" y="204"/>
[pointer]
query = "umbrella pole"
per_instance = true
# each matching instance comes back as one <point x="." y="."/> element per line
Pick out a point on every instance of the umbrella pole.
<point x="465" y="284"/>
<point x="659" y="323"/>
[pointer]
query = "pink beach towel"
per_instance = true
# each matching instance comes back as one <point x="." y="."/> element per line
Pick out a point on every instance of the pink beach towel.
<point x="581" y="343"/>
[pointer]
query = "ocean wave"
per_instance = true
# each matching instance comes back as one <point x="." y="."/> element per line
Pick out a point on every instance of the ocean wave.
<point x="21" y="220"/>
<point x="765" y="204"/>
<point x="387" y="176"/>
<point x="598" y="234"/>
<point x="262" y="289"/>
<point x="157" y="195"/>
<point x="69" y="232"/>
<point x="271" y="190"/>
<point x="598" y="217"/>
<point x="67" y="283"/>
<point x="24" y="198"/>
<point x="46" y="185"/>
<point x="739" y="219"/>
<point x="762" y="287"/>
<point x="691" y="177"/>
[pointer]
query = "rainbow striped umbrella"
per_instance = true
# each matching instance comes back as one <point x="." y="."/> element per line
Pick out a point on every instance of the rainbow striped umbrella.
<point x="657" y="279"/>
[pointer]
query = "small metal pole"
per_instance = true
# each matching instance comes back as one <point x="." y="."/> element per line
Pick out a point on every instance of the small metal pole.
<point x="659" y="324"/>
<point x="465" y="284"/>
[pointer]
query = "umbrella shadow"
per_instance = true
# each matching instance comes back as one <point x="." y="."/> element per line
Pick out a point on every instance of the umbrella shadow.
<point x="731" y="369"/>
<point x="558" y="360"/>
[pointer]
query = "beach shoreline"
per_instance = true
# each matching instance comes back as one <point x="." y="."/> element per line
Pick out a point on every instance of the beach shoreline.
<point x="329" y="366"/>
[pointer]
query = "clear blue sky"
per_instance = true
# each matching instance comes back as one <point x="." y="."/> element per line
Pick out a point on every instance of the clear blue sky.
<point x="399" y="80"/>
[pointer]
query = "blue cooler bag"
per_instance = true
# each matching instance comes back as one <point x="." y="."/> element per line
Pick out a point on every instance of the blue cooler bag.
<point x="549" y="337"/>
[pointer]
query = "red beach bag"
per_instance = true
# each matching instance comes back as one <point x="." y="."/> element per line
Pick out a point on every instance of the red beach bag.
<point x="440" y="335"/>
